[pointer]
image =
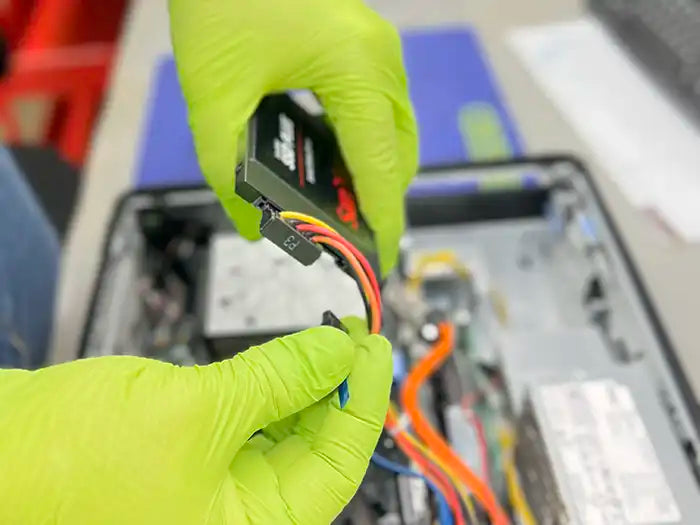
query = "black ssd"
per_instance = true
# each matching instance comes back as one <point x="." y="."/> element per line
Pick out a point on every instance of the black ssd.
<point x="292" y="162"/>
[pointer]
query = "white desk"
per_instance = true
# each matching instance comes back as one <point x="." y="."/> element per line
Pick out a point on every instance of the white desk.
<point x="671" y="269"/>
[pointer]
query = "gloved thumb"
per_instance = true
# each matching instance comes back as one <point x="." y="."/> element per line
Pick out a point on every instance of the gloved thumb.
<point x="277" y="379"/>
<point x="219" y="103"/>
<point x="218" y="153"/>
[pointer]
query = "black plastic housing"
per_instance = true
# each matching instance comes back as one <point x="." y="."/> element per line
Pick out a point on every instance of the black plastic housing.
<point x="292" y="163"/>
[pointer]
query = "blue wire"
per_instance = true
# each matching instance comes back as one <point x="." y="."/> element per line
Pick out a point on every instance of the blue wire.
<point x="445" y="515"/>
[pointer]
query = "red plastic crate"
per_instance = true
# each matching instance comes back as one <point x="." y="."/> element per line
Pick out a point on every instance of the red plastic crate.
<point x="64" y="52"/>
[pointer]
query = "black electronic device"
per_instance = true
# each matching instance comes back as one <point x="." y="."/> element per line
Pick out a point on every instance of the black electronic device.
<point x="292" y="162"/>
<point x="664" y="35"/>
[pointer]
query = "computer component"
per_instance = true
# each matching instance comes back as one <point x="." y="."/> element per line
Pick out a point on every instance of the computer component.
<point x="561" y="353"/>
<point x="255" y="292"/>
<point x="387" y="497"/>
<point x="293" y="163"/>
<point x="528" y="270"/>
<point x="599" y="449"/>
<point x="664" y="35"/>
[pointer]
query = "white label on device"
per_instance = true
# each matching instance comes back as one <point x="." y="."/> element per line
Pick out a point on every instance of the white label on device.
<point x="414" y="498"/>
<point x="309" y="161"/>
<point x="419" y="495"/>
<point x="283" y="145"/>
<point x="607" y="454"/>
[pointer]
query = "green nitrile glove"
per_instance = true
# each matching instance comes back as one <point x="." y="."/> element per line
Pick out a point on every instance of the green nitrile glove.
<point x="126" y="440"/>
<point x="230" y="53"/>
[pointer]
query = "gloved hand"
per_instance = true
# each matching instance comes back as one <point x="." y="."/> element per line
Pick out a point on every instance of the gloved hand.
<point x="230" y="53"/>
<point x="126" y="440"/>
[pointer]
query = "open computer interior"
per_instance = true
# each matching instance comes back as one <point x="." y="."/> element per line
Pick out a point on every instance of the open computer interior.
<point x="559" y="390"/>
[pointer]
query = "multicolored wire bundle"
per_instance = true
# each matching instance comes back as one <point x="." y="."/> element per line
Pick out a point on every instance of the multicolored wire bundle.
<point x="442" y="467"/>
<point x="360" y="266"/>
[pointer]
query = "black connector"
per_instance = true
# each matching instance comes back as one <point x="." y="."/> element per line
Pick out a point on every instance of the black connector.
<point x="595" y="291"/>
<point x="292" y="162"/>
<point x="330" y="319"/>
<point x="284" y="235"/>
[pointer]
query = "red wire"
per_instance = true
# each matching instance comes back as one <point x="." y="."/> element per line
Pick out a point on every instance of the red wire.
<point x="431" y="470"/>
<point x="374" y="307"/>
<point x="436" y="476"/>
<point x="303" y="227"/>
<point x="481" y="439"/>
<point x="409" y="397"/>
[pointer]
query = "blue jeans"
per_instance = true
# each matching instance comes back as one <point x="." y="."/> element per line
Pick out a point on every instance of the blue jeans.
<point x="29" y="255"/>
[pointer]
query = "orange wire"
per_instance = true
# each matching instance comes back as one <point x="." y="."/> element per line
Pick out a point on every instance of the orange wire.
<point x="303" y="227"/>
<point x="435" y="474"/>
<point x="428" y="467"/>
<point x="370" y="290"/>
<point x="376" y="321"/>
<point x="409" y="398"/>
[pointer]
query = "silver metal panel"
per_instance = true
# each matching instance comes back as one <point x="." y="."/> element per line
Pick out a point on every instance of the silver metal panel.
<point x="529" y="358"/>
<point x="256" y="288"/>
<point x="611" y="450"/>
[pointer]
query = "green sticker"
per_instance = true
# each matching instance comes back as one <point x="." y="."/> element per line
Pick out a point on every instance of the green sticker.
<point x="483" y="135"/>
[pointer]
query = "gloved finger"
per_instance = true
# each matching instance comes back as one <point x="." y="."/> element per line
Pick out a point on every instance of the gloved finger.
<point x="387" y="59"/>
<point x="331" y="447"/>
<point x="280" y="430"/>
<point x="357" y="327"/>
<point x="218" y="104"/>
<point x="407" y="138"/>
<point x="307" y="423"/>
<point x="251" y="484"/>
<point x="363" y="119"/>
<point x="275" y="380"/>
<point x="304" y="424"/>
<point x="216" y="134"/>
<point x="260" y="442"/>
<point x="304" y="436"/>
<point x="404" y="117"/>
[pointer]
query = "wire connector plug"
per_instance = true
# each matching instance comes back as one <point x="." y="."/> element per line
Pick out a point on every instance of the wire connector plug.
<point x="330" y="319"/>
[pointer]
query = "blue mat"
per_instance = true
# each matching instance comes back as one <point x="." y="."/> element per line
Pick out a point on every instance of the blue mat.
<point x="460" y="111"/>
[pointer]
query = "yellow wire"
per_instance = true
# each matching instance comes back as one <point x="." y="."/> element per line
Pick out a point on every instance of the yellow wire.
<point x="444" y="257"/>
<point x="515" y="491"/>
<point x="441" y="257"/>
<point x="298" y="216"/>
<point x="463" y="494"/>
<point x="500" y="306"/>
